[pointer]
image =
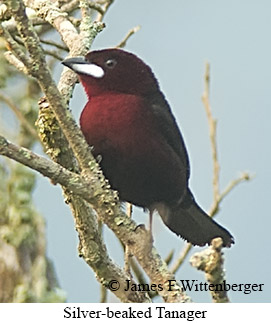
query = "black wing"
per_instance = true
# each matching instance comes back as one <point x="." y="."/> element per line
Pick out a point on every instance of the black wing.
<point x="169" y="128"/>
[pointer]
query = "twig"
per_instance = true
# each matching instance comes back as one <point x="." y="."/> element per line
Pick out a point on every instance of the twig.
<point x="55" y="44"/>
<point x="212" y="132"/>
<point x="215" y="207"/>
<point x="53" y="54"/>
<point x="169" y="257"/>
<point x="70" y="6"/>
<point x="181" y="257"/>
<point x="49" y="12"/>
<point x="106" y="4"/>
<point x="19" y="115"/>
<point x="217" y="196"/>
<point x="16" y="50"/>
<point x="211" y="262"/>
<point x="74" y="4"/>
<point x="96" y="6"/>
<point x="13" y="60"/>
<point x="129" y="34"/>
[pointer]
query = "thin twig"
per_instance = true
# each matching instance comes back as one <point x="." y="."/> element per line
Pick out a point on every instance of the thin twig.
<point x="217" y="196"/>
<point x="129" y="34"/>
<point x="55" y="44"/>
<point x="169" y="257"/>
<point x="212" y="131"/>
<point x="74" y="4"/>
<point x="181" y="257"/>
<point x="13" y="47"/>
<point x="53" y="54"/>
<point x="215" y="207"/>
<point x="19" y="115"/>
<point x="96" y="6"/>
<point x="106" y="4"/>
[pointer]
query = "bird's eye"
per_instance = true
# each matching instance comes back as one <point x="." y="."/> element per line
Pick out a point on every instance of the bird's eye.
<point x="111" y="63"/>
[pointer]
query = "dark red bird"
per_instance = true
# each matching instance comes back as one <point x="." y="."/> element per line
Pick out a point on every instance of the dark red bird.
<point x="130" y="125"/>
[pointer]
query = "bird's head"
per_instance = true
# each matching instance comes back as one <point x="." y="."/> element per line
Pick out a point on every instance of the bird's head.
<point x="113" y="70"/>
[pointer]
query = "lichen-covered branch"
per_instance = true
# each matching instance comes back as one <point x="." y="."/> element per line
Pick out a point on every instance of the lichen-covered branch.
<point x="91" y="246"/>
<point x="105" y="200"/>
<point x="211" y="262"/>
<point x="105" y="203"/>
<point x="85" y="220"/>
<point x="48" y="168"/>
<point x="26" y="273"/>
<point x="85" y="184"/>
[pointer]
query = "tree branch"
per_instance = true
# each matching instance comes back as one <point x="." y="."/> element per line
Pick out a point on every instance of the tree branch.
<point x="97" y="192"/>
<point x="95" y="253"/>
<point x="211" y="262"/>
<point x="54" y="44"/>
<point x="105" y="203"/>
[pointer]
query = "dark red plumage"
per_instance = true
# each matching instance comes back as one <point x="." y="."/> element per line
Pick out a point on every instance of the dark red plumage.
<point x="130" y="125"/>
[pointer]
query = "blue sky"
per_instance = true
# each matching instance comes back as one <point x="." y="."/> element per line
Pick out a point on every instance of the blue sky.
<point x="176" y="40"/>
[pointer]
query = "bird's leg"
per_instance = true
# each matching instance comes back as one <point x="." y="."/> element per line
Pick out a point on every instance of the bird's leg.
<point x="142" y="226"/>
<point x="150" y="224"/>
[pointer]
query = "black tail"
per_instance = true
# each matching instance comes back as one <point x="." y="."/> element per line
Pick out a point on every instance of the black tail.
<point x="190" y="222"/>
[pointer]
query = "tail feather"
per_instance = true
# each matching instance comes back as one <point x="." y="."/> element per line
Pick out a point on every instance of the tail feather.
<point x="190" y="222"/>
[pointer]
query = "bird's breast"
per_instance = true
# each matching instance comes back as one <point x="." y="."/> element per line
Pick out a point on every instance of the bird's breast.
<point x="115" y="121"/>
<point x="135" y="158"/>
